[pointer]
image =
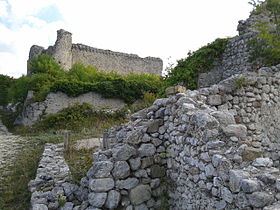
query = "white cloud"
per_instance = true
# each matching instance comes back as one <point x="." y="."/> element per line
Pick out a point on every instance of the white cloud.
<point x="3" y="9"/>
<point x="160" y="28"/>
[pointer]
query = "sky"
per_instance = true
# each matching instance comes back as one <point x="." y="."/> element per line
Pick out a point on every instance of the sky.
<point x="168" y="29"/>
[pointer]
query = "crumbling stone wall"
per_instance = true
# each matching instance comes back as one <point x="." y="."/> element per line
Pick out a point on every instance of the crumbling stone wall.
<point x="67" y="54"/>
<point x="213" y="148"/>
<point x="55" y="102"/>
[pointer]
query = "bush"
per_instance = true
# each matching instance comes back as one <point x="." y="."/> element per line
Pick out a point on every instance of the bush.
<point x="202" y="60"/>
<point x="75" y="116"/>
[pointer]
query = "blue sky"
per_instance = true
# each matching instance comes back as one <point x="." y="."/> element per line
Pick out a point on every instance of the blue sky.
<point x="162" y="28"/>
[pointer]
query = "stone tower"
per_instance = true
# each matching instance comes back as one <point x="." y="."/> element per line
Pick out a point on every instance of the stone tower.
<point x="62" y="52"/>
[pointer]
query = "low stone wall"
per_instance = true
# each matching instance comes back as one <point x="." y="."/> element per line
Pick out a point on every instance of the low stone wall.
<point x="55" y="102"/>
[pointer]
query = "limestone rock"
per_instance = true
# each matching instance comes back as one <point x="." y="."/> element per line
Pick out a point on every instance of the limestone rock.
<point x="123" y="152"/>
<point x="249" y="185"/>
<point x="235" y="179"/>
<point x="262" y="162"/>
<point x="147" y="150"/>
<point x="101" y="185"/>
<point x="127" y="184"/>
<point x="121" y="170"/>
<point x="260" y="199"/>
<point x="224" y="118"/>
<point x="174" y="90"/>
<point x="113" y="199"/>
<point x="140" y="194"/>
<point x="97" y="199"/>
<point x="238" y="130"/>
<point x="157" y="171"/>
<point x="101" y="169"/>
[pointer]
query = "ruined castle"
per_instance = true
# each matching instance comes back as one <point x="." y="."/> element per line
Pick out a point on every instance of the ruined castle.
<point x="67" y="54"/>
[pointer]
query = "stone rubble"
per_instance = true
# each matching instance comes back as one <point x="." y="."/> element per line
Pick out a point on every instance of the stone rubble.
<point x="9" y="147"/>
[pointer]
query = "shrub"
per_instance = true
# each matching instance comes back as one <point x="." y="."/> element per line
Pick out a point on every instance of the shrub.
<point x="75" y="116"/>
<point x="202" y="60"/>
<point x="42" y="64"/>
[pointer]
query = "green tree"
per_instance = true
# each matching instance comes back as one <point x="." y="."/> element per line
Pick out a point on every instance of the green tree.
<point x="266" y="47"/>
<point x="5" y="83"/>
<point x="43" y="64"/>
<point x="202" y="60"/>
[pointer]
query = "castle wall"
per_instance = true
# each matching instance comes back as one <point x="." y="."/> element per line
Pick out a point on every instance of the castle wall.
<point x="113" y="61"/>
<point x="67" y="54"/>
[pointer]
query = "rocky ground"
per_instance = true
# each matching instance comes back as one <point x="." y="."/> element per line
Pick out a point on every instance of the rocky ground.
<point x="9" y="146"/>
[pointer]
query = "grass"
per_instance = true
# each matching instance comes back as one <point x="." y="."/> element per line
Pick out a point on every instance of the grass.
<point x="14" y="192"/>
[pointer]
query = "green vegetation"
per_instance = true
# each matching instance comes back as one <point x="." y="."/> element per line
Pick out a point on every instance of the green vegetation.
<point x="77" y="117"/>
<point x="202" y="60"/>
<point x="240" y="82"/>
<point x="266" y="47"/>
<point x="47" y="76"/>
<point x="83" y="121"/>
<point x="5" y="83"/>
<point x="14" y="193"/>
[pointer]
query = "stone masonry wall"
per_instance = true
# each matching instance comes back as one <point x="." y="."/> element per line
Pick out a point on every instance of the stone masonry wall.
<point x="55" y="102"/>
<point x="67" y="54"/>
<point x="108" y="61"/>
<point x="213" y="148"/>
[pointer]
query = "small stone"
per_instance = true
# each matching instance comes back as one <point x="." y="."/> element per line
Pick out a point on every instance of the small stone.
<point x="97" y="199"/>
<point x="155" y="183"/>
<point x="221" y="205"/>
<point x="237" y="130"/>
<point x="123" y="152"/>
<point x="113" y="199"/>
<point x="226" y="195"/>
<point x="157" y="171"/>
<point x="224" y="118"/>
<point x="121" y="170"/>
<point x="235" y="178"/>
<point x="135" y="163"/>
<point x="39" y="207"/>
<point x="146" y="162"/>
<point x="141" y="173"/>
<point x="100" y="169"/>
<point x="140" y="194"/>
<point x="214" y="100"/>
<point x="215" y="144"/>
<point x="101" y="185"/>
<point x="262" y="162"/>
<point x="141" y="207"/>
<point x="147" y="150"/>
<point x="210" y="170"/>
<point x="260" y="199"/>
<point x="127" y="183"/>
<point x="154" y="125"/>
<point x="249" y="185"/>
